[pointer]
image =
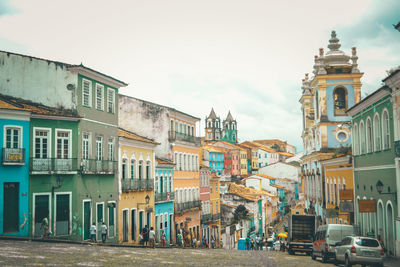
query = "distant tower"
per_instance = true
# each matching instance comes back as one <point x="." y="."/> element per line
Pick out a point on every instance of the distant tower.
<point x="229" y="131"/>
<point x="213" y="127"/>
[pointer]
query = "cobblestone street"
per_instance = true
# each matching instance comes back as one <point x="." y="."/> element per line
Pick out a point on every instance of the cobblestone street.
<point x="24" y="253"/>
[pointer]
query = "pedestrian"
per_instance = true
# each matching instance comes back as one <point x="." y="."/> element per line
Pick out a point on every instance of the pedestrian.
<point x="257" y="242"/>
<point x="252" y="244"/>
<point x="145" y="233"/>
<point x="221" y="243"/>
<point x="93" y="232"/>
<point x="45" y="226"/>
<point x="194" y="242"/>
<point x="152" y="235"/>
<point x="213" y="242"/>
<point x="103" y="232"/>
<point x="179" y="239"/>
<point x="163" y="237"/>
<point x="247" y="243"/>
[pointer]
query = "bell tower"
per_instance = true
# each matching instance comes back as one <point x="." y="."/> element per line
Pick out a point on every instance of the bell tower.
<point x="229" y="131"/>
<point x="212" y="127"/>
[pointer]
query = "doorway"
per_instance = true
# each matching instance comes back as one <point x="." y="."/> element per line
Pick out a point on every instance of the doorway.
<point x="125" y="224"/>
<point x="87" y="215"/>
<point x="41" y="209"/>
<point x="100" y="219"/>
<point x="63" y="210"/>
<point x="11" y="207"/>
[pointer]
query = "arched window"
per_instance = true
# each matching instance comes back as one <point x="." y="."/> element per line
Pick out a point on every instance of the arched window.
<point x="133" y="168"/>
<point x="148" y="170"/>
<point x="369" y="136"/>
<point x="362" y="138"/>
<point x="184" y="163"/>
<point x="377" y="132"/>
<point x="356" y="142"/>
<point x="124" y="168"/>
<point x="340" y="101"/>
<point x="172" y="126"/>
<point x="140" y="169"/>
<point x="385" y="130"/>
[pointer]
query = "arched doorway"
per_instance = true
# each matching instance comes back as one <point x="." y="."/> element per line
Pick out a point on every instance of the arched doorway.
<point x="390" y="232"/>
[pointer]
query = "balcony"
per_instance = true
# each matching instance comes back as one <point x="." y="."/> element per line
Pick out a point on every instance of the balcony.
<point x="181" y="207"/>
<point x="206" y="218"/>
<point x="397" y="148"/>
<point x="137" y="184"/>
<point x="216" y="217"/>
<point x="183" y="137"/>
<point x="165" y="196"/>
<point x="13" y="156"/>
<point x="94" y="166"/>
<point x="53" y="165"/>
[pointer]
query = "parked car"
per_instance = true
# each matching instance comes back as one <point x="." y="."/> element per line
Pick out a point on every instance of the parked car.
<point x="359" y="250"/>
<point x="326" y="237"/>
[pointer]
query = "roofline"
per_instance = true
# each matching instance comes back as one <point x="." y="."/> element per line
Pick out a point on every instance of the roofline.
<point x="172" y="109"/>
<point x="368" y="97"/>
<point x="149" y="139"/>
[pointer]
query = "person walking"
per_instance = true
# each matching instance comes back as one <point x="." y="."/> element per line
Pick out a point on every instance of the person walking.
<point x="152" y="235"/>
<point x="103" y="232"/>
<point x="179" y="239"/>
<point x="145" y="233"/>
<point x="163" y="237"/>
<point x="213" y="242"/>
<point x="45" y="226"/>
<point x="93" y="232"/>
<point x="247" y="243"/>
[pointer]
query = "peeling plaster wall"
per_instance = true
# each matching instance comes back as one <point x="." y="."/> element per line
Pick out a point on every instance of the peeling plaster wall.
<point x="146" y="119"/>
<point x="37" y="80"/>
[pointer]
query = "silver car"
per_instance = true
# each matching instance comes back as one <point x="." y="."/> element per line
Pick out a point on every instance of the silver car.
<point x="359" y="250"/>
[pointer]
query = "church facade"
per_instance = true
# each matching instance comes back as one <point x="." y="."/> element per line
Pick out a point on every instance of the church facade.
<point x="217" y="130"/>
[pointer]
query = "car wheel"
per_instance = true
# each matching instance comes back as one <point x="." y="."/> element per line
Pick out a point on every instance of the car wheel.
<point x="324" y="258"/>
<point x="312" y="255"/>
<point x="347" y="262"/>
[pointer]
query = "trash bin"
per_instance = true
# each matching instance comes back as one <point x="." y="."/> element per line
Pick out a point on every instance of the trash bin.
<point x="242" y="244"/>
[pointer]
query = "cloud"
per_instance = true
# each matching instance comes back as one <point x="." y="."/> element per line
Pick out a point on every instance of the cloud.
<point x="6" y="8"/>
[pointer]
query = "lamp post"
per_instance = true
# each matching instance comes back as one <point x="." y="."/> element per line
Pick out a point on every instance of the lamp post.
<point x="379" y="189"/>
<point x="59" y="184"/>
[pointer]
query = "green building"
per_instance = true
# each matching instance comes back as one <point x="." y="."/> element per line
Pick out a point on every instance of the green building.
<point x="374" y="167"/>
<point x="229" y="130"/>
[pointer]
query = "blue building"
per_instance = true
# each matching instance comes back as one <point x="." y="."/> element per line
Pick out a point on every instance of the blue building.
<point x="14" y="169"/>
<point x="164" y="200"/>
<point x="214" y="156"/>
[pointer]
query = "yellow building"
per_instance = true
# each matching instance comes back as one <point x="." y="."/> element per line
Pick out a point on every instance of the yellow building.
<point x="338" y="177"/>
<point x="136" y="185"/>
<point x="254" y="155"/>
<point x="186" y="154"/>
<point x="215" y="206"/>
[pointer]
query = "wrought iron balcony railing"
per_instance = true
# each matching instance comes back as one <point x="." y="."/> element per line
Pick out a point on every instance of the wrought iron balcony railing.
<point x="165" y="196"/>
<point x="13" y="156"/>
<point x="183" y="137"/>
<point x="206" y="218"/>
<point x="216" y="216"/>
<point x="51" y="165"/>
<point x="98" y="166"/>
<point x="181" y="207"/>
<point x="137" y="184"/>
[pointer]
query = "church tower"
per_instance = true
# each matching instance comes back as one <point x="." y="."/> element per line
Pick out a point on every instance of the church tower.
<point x="229" y="131"/>
<point x="213" y="127"/>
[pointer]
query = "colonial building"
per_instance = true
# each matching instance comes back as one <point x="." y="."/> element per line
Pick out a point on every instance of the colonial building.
<point x="374" y="167"/>
<point x="213" y="128"/>
<point x="334" y="87"/>
<point x="136" y="185"/>
<point x="206" y="215"/>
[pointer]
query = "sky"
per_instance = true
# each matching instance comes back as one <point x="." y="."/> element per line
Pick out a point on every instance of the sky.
<point x="246" y="56"/>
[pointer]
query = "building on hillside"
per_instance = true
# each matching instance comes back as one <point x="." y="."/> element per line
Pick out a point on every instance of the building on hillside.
<point x="393" y="82"/>
<point x="164" y="200"/>
<point x="214" y="157"/>
<point x="339" y="189"/>
<point x="175" y="131"/>
<point x="277" y="145"/>
<point x="374" y="167"/>
<point x="238" y="157"/>
<point x="206" y="215"/>
<point x="213" y="125"/>
<point x="326" y="96"/>
<point x="93" y="97"/>
<point x="14" y="168"/>
<point x="215" y="206"/>
<point x="266" y="156"/>
<point x="252" y="165"/>
<point x="136" y="185"/>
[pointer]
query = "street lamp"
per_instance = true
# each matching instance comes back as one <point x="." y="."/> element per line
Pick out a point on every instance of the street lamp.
<point x="379" y="188"/>
<point x="147" y="199"/>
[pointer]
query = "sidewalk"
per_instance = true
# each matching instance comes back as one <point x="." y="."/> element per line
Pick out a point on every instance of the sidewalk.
<point x="391" y="262"/>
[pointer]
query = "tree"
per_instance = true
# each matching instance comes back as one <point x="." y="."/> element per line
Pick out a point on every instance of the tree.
<point x="240" y="213"/>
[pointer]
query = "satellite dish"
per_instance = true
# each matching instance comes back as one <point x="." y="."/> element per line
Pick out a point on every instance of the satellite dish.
<point x="70" y="86"/>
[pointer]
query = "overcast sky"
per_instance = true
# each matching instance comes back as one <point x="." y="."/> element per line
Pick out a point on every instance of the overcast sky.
<point x="245" y="56"/>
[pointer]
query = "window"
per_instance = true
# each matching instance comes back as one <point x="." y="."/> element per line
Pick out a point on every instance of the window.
<point x="355" y="140"/>
<point x="124" y="168"/>
<point x="140" y="169"/>
<point x="180" y="162"/>
<point x="386" y="130"/>
<point x="99" y="96"/>
<point x="85" y="146"/>
<point x="133" y="169"/>
<point x="362" y="138"/>
<point x="111" y="149"/>
<point x="369" y="136"/>
<point x="86" y="93"/>
<point x="184" y="162"/>
<point x="340" y="101"/>
<point x="42" y="143"/>
<point x="176" y="161"/>
<point x="111" y="100"/>
<point x="377" y="133"/>
<point x="13" y="137"/>
<point x="148" y="170"/>
<point x="63" y="148"/>
<point x="99" y="148"/>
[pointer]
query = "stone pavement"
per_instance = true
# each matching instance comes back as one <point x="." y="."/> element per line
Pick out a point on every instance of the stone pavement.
<point x="32" y="253"/>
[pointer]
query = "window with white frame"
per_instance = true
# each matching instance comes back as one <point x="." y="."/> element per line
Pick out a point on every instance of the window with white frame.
<point x="13" y="137"/>
<point x="377" y="132"/>
<point x="42" y="144"/>
<point x="111" y="100"/>
<point x="124" y="168"/>
<point x="99" y="96"/>
<point x="148" y="170"/>
<point x="385" y="130"/>
<point x="85" y="146"/>
<point x="86" y="93"/>
<point x="110" y="148"/>
<point x="140" y="169"/>
<point x="176" y="161"/>
<point x="180" y="162"/>
<point x="362" y="138"/>
<point x="63" y="144"/>
<point x="99" y="148"/>
<point x="133" y="168"/>
<point x="369" y="136"/>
